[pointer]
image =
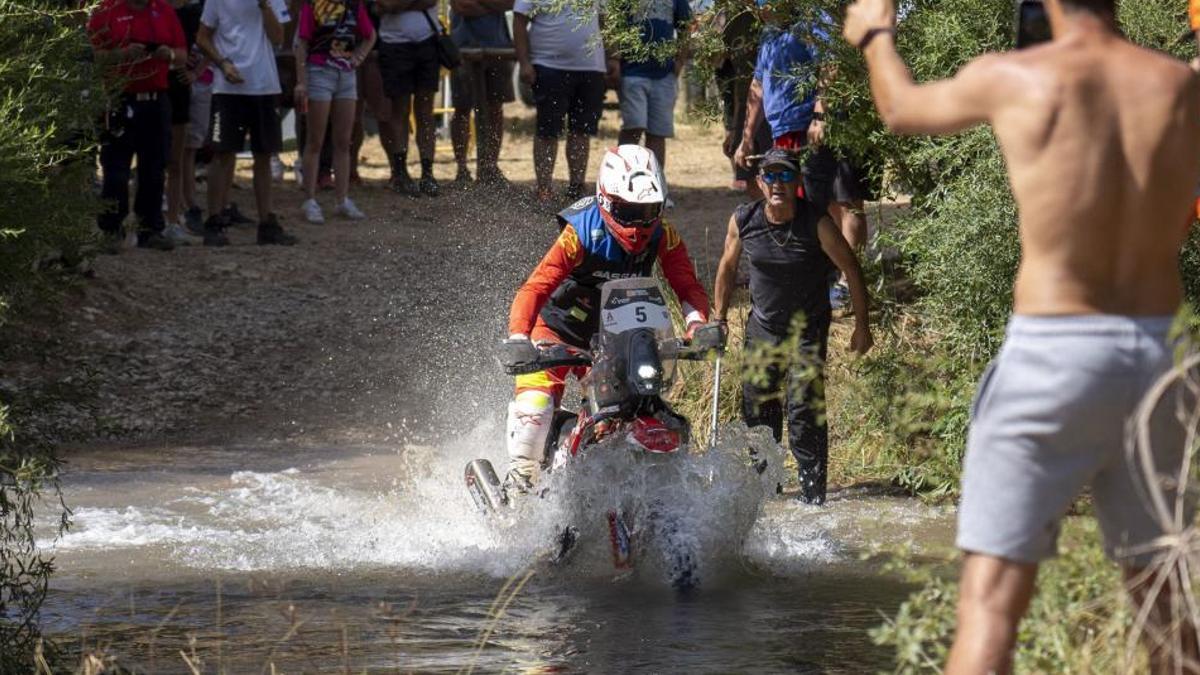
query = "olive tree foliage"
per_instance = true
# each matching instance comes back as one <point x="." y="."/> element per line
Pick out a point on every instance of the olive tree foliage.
<point x="49" y="103"/>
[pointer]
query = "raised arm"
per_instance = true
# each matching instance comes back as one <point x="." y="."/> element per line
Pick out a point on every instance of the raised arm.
<point x="754" y="117"/>
<point x="839" y="251"/>
<point x="727" y="272"/>
<point x="942" y="107"/>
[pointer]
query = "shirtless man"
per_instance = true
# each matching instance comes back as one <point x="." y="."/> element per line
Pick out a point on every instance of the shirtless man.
<point x="1101" y="139"/>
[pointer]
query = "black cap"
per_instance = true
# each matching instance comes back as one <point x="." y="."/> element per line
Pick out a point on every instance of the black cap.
<point x="779" y="157"/>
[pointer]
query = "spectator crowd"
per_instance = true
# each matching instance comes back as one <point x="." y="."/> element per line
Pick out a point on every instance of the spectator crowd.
<point x="202" y="80"/>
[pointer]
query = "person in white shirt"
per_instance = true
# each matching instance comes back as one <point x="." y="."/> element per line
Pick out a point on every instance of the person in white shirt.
<point x="562" y="58"/>
<point x="238" y="37"/>
<point x="409" y="65"/>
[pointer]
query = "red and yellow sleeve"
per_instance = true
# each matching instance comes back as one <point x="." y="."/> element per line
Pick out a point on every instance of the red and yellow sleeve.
<point x="1194" y="15"/>
<point x="563" y="257"/>
<point x="681" y="275"/>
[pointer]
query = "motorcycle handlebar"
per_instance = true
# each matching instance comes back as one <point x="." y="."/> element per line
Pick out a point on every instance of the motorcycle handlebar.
<point x="521" y="357"/>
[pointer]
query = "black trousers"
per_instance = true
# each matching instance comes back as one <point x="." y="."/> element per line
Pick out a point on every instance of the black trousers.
<point x="803" y="397"/>
<point x="141" y="129"/>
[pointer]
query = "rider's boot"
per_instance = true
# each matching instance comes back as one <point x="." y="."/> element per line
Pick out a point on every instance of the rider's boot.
<point x="529" y="419"/>
<point x="812" y="483"/>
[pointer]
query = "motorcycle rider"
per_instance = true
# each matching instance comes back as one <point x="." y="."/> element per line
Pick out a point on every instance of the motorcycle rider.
<point x="617" y="234"/>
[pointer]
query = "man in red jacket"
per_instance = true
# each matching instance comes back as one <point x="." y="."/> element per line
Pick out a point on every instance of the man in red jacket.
<point x="617" y="234"/>
<point x="139" y="41"/>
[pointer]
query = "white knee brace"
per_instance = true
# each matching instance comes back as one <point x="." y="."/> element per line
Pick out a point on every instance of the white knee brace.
<point x="529" y="419"/>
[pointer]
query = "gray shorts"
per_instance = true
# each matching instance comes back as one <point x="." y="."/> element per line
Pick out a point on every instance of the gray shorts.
<point x="649" y="104"/>
<point x="199" y="115"/>
<point x="326" y="83"/>
<point x="1051" y="418"/>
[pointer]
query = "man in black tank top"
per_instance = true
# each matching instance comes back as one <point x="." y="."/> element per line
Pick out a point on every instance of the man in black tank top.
<point x="791" y="245"/>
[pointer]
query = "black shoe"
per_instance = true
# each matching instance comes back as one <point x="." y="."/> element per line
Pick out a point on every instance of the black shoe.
<point x="492" y="177"/>
<point x="574" y="192"/>
<point x="111" y="242"/>
<point x="214" y="232"/>
<point x="193" y="220"/>
<point x="463" y="177"/>
<point x="154" y="240"/>
<point x="812" y="485"/>
<point x="429" y="186"/>
<point x="271" y="233"/>
<point x="233" y="215"/>
<point x="402" y="183"/>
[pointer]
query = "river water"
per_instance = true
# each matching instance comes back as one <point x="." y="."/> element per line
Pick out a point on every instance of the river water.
<point x="242" y="559"/>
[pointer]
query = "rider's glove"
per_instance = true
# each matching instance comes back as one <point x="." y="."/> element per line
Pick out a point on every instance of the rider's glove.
<point x="517" y="350"/>
<point x="707" y="336"/>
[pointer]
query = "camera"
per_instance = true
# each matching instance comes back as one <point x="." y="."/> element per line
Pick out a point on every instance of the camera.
<point x="1033" y="25"/>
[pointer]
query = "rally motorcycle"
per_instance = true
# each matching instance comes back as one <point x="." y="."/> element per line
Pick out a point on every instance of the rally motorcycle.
<point x="632" y="360"/>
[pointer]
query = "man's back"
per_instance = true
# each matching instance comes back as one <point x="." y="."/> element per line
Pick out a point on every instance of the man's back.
<point x="1102" y="141"/>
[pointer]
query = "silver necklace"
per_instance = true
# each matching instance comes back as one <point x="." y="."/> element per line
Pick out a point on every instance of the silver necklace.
<point x="786" y="239"/>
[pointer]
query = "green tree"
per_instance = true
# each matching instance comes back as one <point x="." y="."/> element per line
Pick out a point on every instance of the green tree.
<point x="49" y="103"/>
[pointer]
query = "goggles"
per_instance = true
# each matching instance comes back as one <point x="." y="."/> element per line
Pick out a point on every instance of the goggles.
<point x="780" y="176"/>
<point x="631" y="214"/>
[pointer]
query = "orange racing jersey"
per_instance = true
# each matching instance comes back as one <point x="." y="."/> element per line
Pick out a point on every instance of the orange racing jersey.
<point x="564" y="288"/>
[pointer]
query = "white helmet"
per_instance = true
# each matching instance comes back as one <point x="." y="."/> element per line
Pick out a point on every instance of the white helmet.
<point x="629" y="193"/>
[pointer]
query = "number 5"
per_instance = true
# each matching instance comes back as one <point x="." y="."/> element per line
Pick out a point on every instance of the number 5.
<point x="640" y="313"/>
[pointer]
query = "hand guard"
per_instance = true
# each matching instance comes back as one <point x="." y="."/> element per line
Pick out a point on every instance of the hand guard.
<point x="518" y="355"/>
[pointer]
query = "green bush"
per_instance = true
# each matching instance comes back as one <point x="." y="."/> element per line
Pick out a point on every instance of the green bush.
<point x="49" y="103"/>
<point x="1079" y="620"/>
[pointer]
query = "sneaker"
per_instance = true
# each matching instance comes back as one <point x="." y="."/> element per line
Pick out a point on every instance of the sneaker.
<point x="154" y="240"/>
<point x="405" y="185"/>
<point x="348" y="209"/>
<point x="668" y="203"/>
<point x="298" y="173"/>
<point x="193" y="220"/>
<point x="429" y="186"/>
<point x="276" y="168"/>
<point x="232" y="215"/>
<point x="312" y="212"/>
<point x="463" y="177"/>
<point x="214" y="232"/>
<point x="177" y="235"/>
<point x="271" y="233"/>
<point x="324" y="180"/>
<point x="545" y="197"/>
<point x="574" y="192"/>
<point x="839" y="295"/>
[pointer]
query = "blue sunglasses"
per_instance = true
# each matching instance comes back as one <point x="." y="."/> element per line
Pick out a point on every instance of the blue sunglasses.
<point x="784" y="176"/>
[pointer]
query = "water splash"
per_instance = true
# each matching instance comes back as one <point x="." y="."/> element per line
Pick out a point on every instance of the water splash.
<point x="341" y="515"/>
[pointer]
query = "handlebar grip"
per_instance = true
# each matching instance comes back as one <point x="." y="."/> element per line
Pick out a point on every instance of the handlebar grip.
<point x="522" y="368"/>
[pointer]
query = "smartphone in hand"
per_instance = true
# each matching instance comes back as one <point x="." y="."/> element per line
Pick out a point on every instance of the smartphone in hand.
<point x="1033" y="25"/>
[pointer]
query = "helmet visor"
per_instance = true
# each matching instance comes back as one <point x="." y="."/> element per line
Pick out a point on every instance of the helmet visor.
<point x="636" y="215"/>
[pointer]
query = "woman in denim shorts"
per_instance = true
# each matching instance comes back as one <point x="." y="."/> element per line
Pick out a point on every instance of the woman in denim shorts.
<point x="333" y="39"/>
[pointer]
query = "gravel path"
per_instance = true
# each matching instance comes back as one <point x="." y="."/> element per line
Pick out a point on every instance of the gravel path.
<point x="371" y="331"/>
